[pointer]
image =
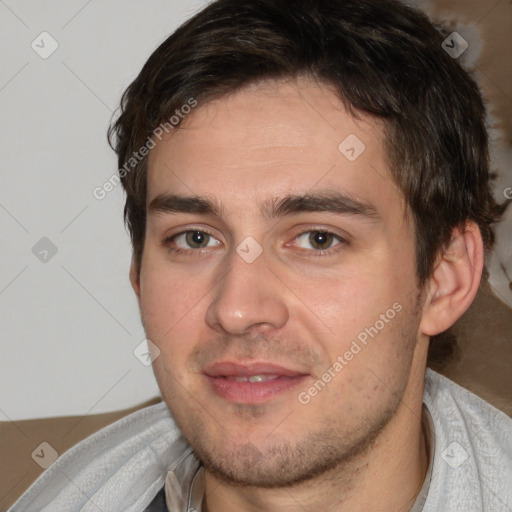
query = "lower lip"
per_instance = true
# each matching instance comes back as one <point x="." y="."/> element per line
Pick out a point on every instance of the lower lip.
<point x="253" y="392"/>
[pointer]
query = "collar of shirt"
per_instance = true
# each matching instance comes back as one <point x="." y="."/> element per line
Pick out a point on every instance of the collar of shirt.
<point x="185" y="485"/>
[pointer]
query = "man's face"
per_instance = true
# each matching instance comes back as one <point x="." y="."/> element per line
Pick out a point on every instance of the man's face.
<point x="253" y="304"/>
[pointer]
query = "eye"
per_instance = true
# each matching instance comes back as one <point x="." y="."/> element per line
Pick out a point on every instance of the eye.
<point x="318" y="240"/>
<point x="193" y="239"/>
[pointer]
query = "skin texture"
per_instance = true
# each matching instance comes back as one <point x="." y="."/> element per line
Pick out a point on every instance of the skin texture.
<point x="358" y="443"/>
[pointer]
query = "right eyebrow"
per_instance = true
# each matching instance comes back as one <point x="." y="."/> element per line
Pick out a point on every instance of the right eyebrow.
<point x="173" y="203"/>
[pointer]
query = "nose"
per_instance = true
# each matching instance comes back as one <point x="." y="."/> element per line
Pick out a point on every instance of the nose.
<point x="248" y="295"/>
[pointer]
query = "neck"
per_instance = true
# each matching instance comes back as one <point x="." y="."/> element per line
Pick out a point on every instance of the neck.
<point x="387" y="476"/>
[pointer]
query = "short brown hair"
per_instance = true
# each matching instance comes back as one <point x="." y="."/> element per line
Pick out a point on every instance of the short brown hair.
<point x="382" y="57"/>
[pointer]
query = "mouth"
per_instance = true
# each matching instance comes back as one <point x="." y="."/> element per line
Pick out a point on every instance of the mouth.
<point x="251" y="383"/>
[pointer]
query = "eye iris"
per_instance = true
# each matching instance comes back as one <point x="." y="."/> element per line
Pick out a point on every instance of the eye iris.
<point x="320" y="239"/>
<point x="196" y="238"/>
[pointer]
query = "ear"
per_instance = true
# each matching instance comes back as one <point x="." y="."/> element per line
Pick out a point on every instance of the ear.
<point x="135" y="278"/>
<point x="455" y="280"/>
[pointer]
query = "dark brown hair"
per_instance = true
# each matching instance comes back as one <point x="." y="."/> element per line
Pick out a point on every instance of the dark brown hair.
<point x="382" y="57"/>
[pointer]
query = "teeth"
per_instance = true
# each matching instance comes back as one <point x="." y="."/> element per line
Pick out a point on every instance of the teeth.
<point x="262" y="378"/>
<point x="253" y="378"/>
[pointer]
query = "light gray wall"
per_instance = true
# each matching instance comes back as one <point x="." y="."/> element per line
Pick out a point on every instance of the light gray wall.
<point x="70" y="323"/>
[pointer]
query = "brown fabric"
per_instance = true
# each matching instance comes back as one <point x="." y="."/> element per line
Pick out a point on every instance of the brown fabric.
<point x="18" y="439"/>
<point x="492" y="19"/>
<point x="482" y="361"/>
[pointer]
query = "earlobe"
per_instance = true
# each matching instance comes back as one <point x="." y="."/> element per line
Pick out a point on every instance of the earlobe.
<point x="455" y="280"/>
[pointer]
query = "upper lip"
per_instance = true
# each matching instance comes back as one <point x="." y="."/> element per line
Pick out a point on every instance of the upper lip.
<point x="235" y="369"/>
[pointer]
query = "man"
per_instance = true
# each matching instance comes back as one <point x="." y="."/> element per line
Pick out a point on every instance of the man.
<point x="309" y="205"/>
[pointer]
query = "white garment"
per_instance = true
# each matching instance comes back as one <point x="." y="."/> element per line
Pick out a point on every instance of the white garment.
<point x="122" y="467"/>
<point x="472" y="469"/>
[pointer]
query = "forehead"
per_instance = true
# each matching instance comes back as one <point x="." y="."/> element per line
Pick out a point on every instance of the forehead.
<point x="270" y="140"/>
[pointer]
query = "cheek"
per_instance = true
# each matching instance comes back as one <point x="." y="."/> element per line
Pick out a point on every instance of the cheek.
<point x="167" y="301"/>
<point x="168" y="326"/>
<point x="173" y="310"/>
<point x="372" y="326"/>
<point x="348" y="305"/>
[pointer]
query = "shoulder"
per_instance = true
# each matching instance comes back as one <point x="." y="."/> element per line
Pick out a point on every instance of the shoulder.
<point x="121" y="467"/>
<point x="473" y="449"/>
<point x="461" y="411"/>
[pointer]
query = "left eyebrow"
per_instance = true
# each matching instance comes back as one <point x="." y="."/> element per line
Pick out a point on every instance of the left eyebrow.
<point x="321" y="202"/>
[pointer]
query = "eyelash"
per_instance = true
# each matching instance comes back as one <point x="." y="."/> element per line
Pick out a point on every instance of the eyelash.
<point x="196" y="252"/>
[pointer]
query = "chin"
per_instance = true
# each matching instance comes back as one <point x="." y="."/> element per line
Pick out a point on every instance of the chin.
<point x="250" y="467"/>
<point x="278" y="465"/>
